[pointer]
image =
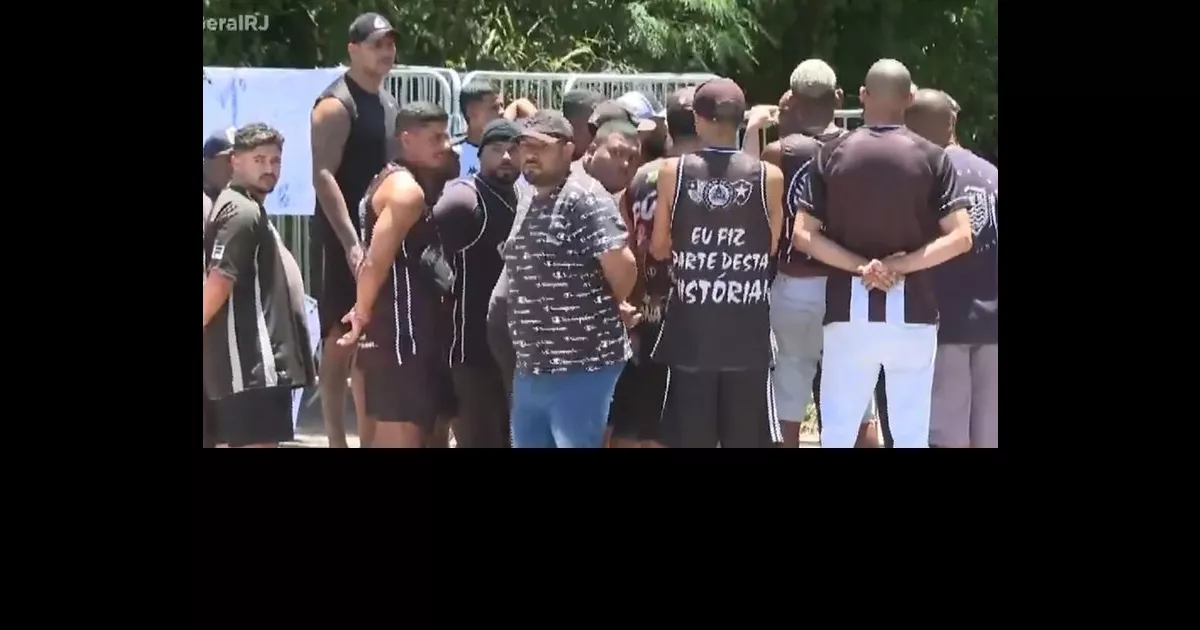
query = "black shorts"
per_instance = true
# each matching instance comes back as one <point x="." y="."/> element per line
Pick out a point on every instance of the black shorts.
<point x="482" y="406"/>
<point x="637" y="407"/>
<point x="210" y="423"/>
<point x="335" y="289"/>
<point x="735" y="409"/>
<point x="409" y="392"/>
<point x="255" y="416"/>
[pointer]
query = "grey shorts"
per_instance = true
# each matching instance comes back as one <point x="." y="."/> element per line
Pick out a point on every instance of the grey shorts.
<point x="965" y="410"/>
<point x="799" y="338"/>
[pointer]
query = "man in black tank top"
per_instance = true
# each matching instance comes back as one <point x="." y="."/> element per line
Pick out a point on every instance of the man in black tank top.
<point x="351" y="138"/>
<point x="473" y="217"/>
<point x="719" y="222"/>
<point x="398" y="310"/>
<point x="641" y="393"/>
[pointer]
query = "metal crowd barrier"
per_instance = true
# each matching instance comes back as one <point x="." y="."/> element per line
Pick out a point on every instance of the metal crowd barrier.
<point x="545" y="89"/>
<point x="296" y="232"/>
<point x="421" y="83"/>
<point x="848" y="118"/>
<point x="658" y="85"/>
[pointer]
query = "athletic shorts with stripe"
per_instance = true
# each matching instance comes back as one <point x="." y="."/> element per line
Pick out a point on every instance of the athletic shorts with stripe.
<point x="638" y="402"/>
<point x="732" y="408"/>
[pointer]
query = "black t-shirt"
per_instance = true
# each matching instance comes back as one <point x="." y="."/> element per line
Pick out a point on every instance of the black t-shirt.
<point x="968" y="287"/>
<point x="473" y="217"/>
<point x="796" y="152"/>
<point x="259" y="337"/>
<point x="879" y="191"/>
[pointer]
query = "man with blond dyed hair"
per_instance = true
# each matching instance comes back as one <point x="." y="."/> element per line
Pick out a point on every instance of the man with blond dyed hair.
<point x="798" y="293"/>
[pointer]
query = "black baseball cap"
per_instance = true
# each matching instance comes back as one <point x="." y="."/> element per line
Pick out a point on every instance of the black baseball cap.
<point x="219" y="143"/>
<point x="720" y="99"/>
<point x="368" y="26"/>
<point x="548" y="125"/>
<point x="499" y="130"/>
<point x="609" y="111"/>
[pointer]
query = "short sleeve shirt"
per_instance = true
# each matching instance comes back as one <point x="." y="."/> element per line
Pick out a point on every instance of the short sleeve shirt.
<point x="561" y="313"/>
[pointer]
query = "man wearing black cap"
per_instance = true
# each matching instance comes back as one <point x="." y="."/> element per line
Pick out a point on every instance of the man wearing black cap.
<point x="719" y="220"/>
<point x="579" y="107"/>
<point x="473" y="217"/>
<point x="351" y="136"/>
<point x="398" y="314"/>
<point x="570" y="271"/>
<point x="641" y="392"/>
<point x="217" y="169"/>
<point x="881" y="206"/>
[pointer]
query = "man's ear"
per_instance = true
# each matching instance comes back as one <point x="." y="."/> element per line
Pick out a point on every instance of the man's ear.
<point x="838" y="98"/>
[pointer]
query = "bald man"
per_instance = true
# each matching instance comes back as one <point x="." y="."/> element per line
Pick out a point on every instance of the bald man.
<point x="965" y="377"/>
<point x="881" y="206"/>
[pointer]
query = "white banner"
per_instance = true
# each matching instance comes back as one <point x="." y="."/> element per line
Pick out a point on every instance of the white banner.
<point x="282" y="98"/>
<point x="314" y="337"/>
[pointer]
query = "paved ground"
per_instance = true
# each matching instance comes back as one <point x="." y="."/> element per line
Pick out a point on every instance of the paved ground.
<point x="311" y="431"/>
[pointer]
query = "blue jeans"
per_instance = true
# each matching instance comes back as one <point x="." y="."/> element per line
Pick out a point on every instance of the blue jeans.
<point x="565" y="410"/>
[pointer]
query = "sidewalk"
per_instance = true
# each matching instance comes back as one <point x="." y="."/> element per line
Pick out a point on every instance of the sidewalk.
<point x="311" y="431"/>
<point x="312" y="440"/>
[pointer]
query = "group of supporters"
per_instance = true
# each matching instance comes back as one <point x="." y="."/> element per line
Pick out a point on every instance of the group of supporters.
<point x="616" y="273"/>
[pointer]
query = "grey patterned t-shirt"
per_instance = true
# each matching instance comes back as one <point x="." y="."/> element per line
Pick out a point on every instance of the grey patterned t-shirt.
<point x="561" y="314"/>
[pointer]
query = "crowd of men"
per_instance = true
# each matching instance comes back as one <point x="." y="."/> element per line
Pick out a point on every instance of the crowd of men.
<point x="616" y="273"/>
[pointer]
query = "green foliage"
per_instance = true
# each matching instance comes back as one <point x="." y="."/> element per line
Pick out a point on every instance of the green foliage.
<point x="948" y="44"/>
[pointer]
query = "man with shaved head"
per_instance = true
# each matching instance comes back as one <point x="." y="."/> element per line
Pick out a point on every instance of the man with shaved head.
<point x="965" y="410"/>
<point x="881" y="206"/>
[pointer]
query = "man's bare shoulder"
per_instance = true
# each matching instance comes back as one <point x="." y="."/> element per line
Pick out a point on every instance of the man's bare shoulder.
<point x="400" y="188"/>
<point x="329" y="108"/>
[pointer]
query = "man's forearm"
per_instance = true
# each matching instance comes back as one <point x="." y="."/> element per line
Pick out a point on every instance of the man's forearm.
<point x="622" y="285"/>
<point x="370" y="279"/>
<point x="216" y="292"/>
<point x="752" y="145"/>
<point x="333" y="204"/>
<point x="821" y="248"/>
<point x="935" y="253"/>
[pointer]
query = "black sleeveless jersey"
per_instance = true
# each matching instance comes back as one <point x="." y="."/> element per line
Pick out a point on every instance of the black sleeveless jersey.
<point x="718" y="315"/>
<point x="407" y="314"/>
<point x="372" y="125"/>
<point x="477" y="266"/>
